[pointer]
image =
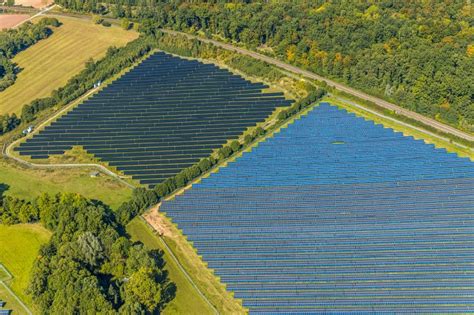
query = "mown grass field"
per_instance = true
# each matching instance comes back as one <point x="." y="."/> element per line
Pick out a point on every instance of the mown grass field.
<point x="19" y="249"/>
<point x="50" y="63"/>
<point x="187" y="300"/>
<point x="30" y="183"/>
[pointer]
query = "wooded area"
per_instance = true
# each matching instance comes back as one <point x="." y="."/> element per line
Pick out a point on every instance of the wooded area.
<point x="90" y="265"/>
<point x="419" y="55"/>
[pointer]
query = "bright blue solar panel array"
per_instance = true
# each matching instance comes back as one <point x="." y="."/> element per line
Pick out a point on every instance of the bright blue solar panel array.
<point x="337" y="214"/>
<point x="161" y="117"/>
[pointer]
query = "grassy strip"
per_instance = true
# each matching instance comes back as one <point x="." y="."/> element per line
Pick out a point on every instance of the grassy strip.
<point x="20" y="246"/>
<point x="194" y="266"/>
<point x="11" y="302"/>
<point x="415" y="123"/>
<point x="26" y="183"/>
<point x="400" y="125"/>
<point x="187" y="300"/>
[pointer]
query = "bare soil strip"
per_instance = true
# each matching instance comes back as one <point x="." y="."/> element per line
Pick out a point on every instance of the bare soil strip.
<point x="10" y="20"/>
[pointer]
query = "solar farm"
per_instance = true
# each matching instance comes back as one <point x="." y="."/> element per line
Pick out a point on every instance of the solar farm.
<point x="337" y="214"/>
<point x="164" y="115"/>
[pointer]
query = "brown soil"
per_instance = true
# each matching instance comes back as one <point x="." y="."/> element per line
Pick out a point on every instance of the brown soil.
<point x="10" y="20"/>
<point x="156" y="220"/>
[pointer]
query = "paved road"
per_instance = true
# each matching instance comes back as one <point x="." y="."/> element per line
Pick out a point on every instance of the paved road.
<point x="380" y="102"/>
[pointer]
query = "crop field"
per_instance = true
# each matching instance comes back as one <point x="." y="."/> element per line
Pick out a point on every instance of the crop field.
<point x="10" y="20"/>
<point x="50" y="63"/>
<point x="162" y="116"/>
<point x="338" y="214"/>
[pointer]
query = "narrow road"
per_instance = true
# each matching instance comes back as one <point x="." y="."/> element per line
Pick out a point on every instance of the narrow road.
<point x="43" y="11"/>
<point x="341" y="87"/>
<point x="311" y="75"/>
<point x="6" y="150"/>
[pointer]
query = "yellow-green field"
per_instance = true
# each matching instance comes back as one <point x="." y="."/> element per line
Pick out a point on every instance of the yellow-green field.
<point x="28" y="184"/>
<point x="50" y="63"/>
<point x="19" y="248"/>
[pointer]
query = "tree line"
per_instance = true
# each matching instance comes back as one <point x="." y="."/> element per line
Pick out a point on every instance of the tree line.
<point x="417" y="54"/>
<point x="90" y="265"/>
<point x="15" y="40"/>
<point x="11" y="43"/>
<point x="143" y="198"/>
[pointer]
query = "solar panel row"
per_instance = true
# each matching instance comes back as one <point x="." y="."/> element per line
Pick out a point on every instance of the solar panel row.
<point x="162" y="116"/>
<point x="337" y="214"/>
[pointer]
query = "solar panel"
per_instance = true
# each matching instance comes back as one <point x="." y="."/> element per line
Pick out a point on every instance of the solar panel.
<point x="166" y="113"/>
<point x="337" y="214"/>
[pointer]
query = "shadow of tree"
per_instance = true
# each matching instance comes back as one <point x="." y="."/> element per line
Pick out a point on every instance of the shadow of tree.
<point x="3" y="188"/>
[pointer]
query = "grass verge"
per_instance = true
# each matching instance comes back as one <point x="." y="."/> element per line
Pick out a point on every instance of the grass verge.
<point x="406" y="128"/>
<point x="28" y="183"/>
<point x="201" y="275"/>
<point x="187" y="300"/>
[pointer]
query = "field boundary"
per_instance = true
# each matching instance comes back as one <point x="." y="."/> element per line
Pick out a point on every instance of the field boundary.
<point x="6" y="150"/>
<point x="8" y="278"/>
<point x="341" y="87"/>
<point x="7" y="147"/>
<point x="181" y="268"/>
<point x="43" y="11"/>
<point x="397" y="121"/>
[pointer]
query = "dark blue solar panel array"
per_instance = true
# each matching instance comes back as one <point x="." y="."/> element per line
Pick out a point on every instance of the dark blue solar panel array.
<point x="162" y="116"/>
<point x="341" y="215"/>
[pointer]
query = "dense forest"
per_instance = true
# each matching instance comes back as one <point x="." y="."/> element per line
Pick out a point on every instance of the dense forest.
<point x="90" y="265"/>
<point x="419" y="54"/>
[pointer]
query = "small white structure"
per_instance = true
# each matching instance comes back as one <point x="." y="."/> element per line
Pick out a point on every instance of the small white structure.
<point x="28" y="130"/>
<point x="94" y="174"/>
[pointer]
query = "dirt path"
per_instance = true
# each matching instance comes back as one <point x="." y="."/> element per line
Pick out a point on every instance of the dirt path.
<point x="156" y="220"/>
<point x="11" y="20"/>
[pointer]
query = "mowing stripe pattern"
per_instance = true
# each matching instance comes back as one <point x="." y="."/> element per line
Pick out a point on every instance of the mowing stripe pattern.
<point x="338" y="214"/>
<point x="162" y="116"/>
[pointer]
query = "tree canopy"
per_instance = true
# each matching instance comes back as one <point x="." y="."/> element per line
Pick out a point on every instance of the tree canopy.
<point x="419" y="54"/>
<point x="90" y="265"/>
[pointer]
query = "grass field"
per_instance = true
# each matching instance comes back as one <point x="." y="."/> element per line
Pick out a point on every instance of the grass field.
<point x="28" y="184"/>
<point x="187" y="299"/>
<point x="20" y="245"/>
<point x="50" y="63"/>
<point x="198" y="270"/>
<point x="11" y="303"/>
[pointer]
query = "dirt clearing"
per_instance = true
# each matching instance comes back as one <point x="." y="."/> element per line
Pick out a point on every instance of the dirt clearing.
<point x="156" y="220"/>
<point x="34" y="3"/>
<point x="10" y="20"/>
